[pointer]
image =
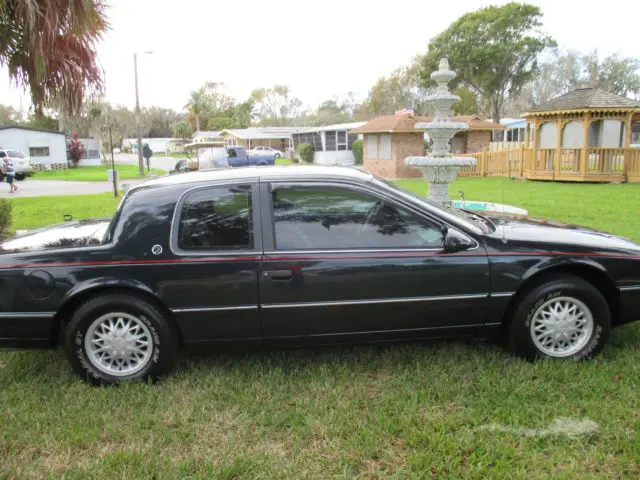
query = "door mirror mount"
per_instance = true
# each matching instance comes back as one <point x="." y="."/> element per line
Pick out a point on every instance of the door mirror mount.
<point x="456" y="241"/>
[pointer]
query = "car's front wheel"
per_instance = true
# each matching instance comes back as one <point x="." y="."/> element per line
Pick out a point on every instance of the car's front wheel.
<point x="114" y="338"/>
<point x="563" y="317"/>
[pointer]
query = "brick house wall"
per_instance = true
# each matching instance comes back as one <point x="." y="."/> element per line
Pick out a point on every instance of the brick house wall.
<point x="376" y="166"/>
<point x="478" y="140"/>
<point x="406" y="145"/>
<point x="402" y="145"/>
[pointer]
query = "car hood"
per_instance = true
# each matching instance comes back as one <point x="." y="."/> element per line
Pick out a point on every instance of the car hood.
<point x="544" y="231"/>
<point x="79" y="233"/>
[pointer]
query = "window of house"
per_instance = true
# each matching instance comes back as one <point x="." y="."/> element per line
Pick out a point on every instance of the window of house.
<point x="350" y="140"/>
<point x="330" y="141"/>
<point x="337" y="218"/>
<point x="635" y="133"/>
<point x="39" y="151"/>
<point x="372" y="146"/>
<point x="342" y="140"/>
<point x="217" y="219"/>
<point x="385" y="147"/>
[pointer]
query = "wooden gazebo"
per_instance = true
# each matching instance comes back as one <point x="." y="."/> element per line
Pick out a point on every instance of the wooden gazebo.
<point x="581" y="136"/>
<point x="584" y="135"/>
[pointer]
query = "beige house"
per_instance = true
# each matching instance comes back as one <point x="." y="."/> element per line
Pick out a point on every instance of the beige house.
<point x="389" y="139"/>
<point x="274" y="137"/>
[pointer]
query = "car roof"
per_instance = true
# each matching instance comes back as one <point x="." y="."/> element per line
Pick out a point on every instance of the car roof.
<point x="261" y="172"/>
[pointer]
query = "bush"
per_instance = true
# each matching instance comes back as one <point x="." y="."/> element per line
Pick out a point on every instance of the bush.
<point x="5" y="217"/>
<point x="305" y="152"/>
<point x="357" y="151"/>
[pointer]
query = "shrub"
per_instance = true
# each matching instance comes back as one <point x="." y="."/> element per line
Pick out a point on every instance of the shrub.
<point x="357" y="151"/>
<point x="305" y="152"/>
<point x="5" y="217"/>
<point x="76" y="149"/>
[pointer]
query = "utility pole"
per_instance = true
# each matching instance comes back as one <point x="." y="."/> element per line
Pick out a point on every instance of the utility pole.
<point x="139" y="125"/>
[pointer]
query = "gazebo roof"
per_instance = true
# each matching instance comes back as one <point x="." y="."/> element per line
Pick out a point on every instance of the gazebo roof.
<point x="586" y="99"/>
<point x="407" y="123"/>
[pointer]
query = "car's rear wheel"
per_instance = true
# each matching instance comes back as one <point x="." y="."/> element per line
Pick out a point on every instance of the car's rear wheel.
<point x="114" y="338"/>
<point x="276" y="156"/>
<point x="563" y="317"/>
<point x="20" y="176"/>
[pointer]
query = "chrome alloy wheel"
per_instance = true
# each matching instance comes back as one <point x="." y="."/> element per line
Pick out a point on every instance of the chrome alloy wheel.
<point x="118" y="344"/>
<point x="561" y="327"/>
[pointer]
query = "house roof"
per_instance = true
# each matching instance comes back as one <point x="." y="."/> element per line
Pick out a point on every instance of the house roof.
<point x="207" y="133"/>
<point x="406" y="123"/>
<point x="21" y="127"/>
<point x="332" y="128"/>
<point x="584" y="99"/>
<point x="260" y="133"/>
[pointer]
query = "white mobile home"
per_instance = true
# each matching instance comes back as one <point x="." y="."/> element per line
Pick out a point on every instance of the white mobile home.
<point x="331" y="143"/>
<point x="46" y="147"/>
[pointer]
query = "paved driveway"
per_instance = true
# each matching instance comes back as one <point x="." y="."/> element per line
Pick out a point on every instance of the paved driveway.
<point x="39" y="188"/>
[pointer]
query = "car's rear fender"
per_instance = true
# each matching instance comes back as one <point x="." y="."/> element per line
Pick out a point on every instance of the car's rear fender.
<point x="83" y="291"/>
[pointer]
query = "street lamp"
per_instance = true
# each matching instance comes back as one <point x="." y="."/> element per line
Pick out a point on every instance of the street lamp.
<point x="135" y="73"/>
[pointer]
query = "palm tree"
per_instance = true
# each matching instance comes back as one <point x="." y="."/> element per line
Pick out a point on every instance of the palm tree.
<point x="49" y="48"/>
<point x="197" y="104"/>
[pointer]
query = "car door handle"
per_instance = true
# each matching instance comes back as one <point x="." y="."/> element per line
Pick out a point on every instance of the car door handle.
<point x="278" y="274"/>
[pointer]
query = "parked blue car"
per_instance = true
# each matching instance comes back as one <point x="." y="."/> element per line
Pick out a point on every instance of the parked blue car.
<point x="238" y="157"/>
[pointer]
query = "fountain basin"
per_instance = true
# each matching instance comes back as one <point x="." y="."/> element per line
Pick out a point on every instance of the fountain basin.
<point x="489" y="207"/>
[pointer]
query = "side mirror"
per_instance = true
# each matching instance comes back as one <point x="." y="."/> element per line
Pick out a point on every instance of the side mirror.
<point x="456" y="241"/>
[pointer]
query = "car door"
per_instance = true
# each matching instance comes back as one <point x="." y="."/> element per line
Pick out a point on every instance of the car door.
<point x="213" y="288"/>
<point x="343" y="261"/>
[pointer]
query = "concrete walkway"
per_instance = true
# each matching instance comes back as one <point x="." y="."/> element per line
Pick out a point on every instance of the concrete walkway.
<point x="45" y="188"/>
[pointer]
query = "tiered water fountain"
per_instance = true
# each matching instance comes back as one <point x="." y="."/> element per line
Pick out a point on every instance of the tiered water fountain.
<point x="440" y="167"/>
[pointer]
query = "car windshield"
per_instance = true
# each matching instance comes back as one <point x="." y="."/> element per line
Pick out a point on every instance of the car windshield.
<point x="478" y="221"/>
<point x="15" y="154"/>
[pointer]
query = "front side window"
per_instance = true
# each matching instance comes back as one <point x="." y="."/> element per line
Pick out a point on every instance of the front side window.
<point x="336" y="218"/>
<point x="219" y="218"/>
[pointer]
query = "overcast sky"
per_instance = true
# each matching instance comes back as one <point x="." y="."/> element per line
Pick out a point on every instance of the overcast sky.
<point x="319" y="49"/>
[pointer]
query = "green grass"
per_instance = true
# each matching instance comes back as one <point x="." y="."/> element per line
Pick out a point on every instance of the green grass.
<point x="284" y="161"/>
<point x="93" y="174"/>
<point x="35" y="212"/>
<point x="437" y="410"/>
<point x="612" y="208"/>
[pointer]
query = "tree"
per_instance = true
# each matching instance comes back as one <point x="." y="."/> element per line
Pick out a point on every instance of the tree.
<point x="566" y="71"/>
<point x="399" y="90"/>
<point x="468" y="103"/>
<point x="46" y="122"/>
<point x="275" y="106"/>
<point x="197" y="105"/>
<point x="49" y="48"/>
<point x="182" y="130"/>
<point x="493" y="50"/>
<point x="8" y="116"/>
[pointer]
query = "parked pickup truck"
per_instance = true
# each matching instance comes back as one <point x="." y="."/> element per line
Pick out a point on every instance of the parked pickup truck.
<point x="237" y="157"/>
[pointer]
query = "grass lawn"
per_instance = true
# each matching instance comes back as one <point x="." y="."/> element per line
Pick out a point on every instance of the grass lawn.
<point x="92" y="174"/>
<point x="435" y="410"/>
<point x="284" y="161"/>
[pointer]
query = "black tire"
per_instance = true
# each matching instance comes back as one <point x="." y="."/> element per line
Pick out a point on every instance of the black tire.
<point x="1" y="176"/>
<point x="276" y="156"/>
<point x="520" y="335"/>
<point x="20" y="176"/>
<point x="163" y="338"/>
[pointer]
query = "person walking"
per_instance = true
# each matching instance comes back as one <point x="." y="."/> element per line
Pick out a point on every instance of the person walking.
<point x="11" y="174"/>
<point x="147" y="153"/>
